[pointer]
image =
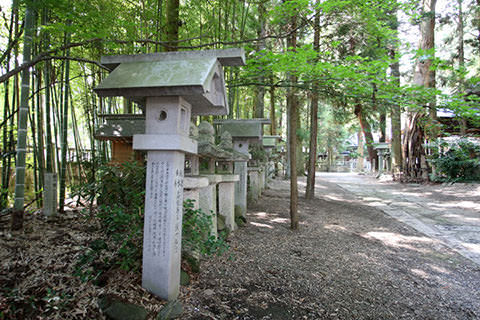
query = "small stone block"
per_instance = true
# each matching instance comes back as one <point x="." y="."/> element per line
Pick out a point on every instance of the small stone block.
<point x="119" y="310"/>
<point x="172" y="310"/>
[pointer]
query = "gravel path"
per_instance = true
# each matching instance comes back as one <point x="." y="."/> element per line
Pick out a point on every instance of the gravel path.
<point x="347" y="261"/>
<point x="447" y="212"/>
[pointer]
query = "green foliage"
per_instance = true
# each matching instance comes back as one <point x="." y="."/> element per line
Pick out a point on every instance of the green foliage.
<point x="196" y="232"/>
<point x="120" y="194"/>
<point x="257" y="152"/>
<point x="55" y="301"/>
<point x="456" y="161"/>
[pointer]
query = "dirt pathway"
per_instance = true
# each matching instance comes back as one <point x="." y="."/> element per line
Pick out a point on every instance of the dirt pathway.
<point x="347" y="261"/>
<point x="449" y="213"/>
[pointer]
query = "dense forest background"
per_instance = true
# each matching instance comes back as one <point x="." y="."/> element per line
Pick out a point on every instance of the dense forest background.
<point x="323" y="69"/>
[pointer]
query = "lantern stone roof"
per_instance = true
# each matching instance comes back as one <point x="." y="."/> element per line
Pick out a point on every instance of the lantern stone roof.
<point x="381" y="146"/>
<point x="196" y="76"/>
<point x="120" y="127"/>
<point x="227" y="57"/>
<point x="251" y="129"/>
<point x="270" y="141"/>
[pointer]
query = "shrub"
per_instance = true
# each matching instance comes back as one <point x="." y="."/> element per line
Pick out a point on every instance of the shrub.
<point x="456" y="161"/>
<point x="120" y="193"/>
<point x="196" y="232"/>
<point x="257" y="152"/>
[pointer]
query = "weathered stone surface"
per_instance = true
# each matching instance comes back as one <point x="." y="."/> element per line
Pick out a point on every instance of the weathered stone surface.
<point x="254" y="190"/>
<point x="208" y="201"/>
<point x="167" y="85"/>
<point x="50" y="194"/>
<point x="171" y="310"/>
<point x="200" y="81"/>
<point x="206" y="144"/>
<point x="195" y="182"/>
<point x="206" y="133"/>
<point x="243" y="128"/>
<point x="240" y="169"/>
<point x="226" y="200"/>
<point x="167" y="142"/>
<point x="226" y="142"/>
<point x="270" y="141"/>
<point x="382" y="150"/>
<point x="120" y="126"/>
<point x="227" y="57"/>
<point x="164" y="198"/>
<point x="115" y="309"/>
<point x="221" y="223"/>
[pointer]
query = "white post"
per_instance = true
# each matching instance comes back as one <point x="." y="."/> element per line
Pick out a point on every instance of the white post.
<point x="166" y="140"/>
<point x="240" y="169"/>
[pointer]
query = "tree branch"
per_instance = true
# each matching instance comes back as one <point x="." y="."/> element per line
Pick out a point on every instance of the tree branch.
<point x="47" y="54"/>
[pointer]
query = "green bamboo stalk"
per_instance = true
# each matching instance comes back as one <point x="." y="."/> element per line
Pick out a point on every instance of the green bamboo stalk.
<point x="31" y="118"/>
<point x="23" y="111"/>
<point x="46" y="69"/>
<point x="40" y="144"/>
<point x="64" y="142"/>
<point x="48" y="130"/>
<point x="56" y="124"/>
<point x="5" y="173"/>
<point x="6" y="113"/>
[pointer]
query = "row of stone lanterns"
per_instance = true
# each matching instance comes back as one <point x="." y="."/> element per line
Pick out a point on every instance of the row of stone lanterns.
<point x="171" y="88"/>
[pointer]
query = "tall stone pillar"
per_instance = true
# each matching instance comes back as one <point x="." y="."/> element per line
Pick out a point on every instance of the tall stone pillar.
<point x="164" y="191"/>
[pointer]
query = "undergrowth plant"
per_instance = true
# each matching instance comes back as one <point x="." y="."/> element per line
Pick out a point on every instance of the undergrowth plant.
<point x="197" y="235"/>
<point x="120" y="194"/>
<point x="455" y="161"/>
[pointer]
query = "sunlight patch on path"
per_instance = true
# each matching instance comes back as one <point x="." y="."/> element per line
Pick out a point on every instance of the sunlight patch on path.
<point x="450" y="214"/>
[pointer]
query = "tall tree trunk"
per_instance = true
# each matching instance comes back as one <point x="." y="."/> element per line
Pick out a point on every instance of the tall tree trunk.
<point x="360" y="151"/>
<point x="292" y="106"/>
<point x="367" y="133"/>
<point x="5" y="150"/>
<point x="273" y="126"/>
<point x="300" y="156"/>
<point x="158" y="23"/>
<point x="23" y="115"/>
<point x="424" y="76"/>
<point x="395" y="113"/>
<point x="172" y="24"/>
<point x="312" y="155"/>
<point x="461" y="61"/>
<point x="260" y="88"/>
<point x="383" y="126"/>
<point x="395" y="116"/>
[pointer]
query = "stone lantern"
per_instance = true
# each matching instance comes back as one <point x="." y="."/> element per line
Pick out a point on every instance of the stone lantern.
<point x="171" y="86"/>
<point x="270" y="145"/>
<point x="243" y="132"/>
<point x="383" y="149"/>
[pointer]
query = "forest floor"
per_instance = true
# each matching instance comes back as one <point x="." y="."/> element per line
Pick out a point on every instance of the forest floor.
<point x="348" y="260"/>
